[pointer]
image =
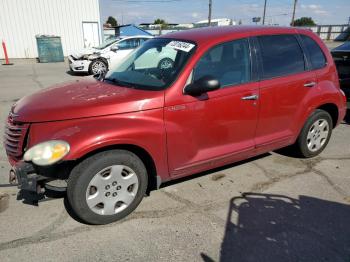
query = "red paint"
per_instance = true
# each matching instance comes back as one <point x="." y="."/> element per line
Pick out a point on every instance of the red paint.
<point x="184" y="134"/>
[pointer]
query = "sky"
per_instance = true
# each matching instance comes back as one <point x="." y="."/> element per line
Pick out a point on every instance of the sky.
<point x="189" y="11"/>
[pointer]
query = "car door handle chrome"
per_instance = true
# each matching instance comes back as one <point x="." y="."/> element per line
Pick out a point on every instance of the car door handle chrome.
<point x="252" y="97"/>
<point x="310" y="84"/>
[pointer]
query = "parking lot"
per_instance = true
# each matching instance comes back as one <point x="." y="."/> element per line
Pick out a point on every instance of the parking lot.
<point x="270" y="208"/>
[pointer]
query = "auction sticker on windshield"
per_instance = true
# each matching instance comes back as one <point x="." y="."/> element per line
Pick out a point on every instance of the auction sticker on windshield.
<point x="179" y="45"/>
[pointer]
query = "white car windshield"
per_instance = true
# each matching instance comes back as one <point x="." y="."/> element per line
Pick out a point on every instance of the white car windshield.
<point x="107" y="43"/>
<point x="152" y="66"/>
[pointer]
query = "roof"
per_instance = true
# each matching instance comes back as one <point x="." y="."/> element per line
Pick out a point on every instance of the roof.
<point x="218" y="33"/>
<point x="129" y="30"/>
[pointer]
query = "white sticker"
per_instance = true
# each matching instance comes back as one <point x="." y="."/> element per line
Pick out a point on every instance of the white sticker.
<point x="179" y="45"/>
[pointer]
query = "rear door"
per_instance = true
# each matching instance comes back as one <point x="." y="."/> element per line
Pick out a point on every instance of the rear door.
<point x="219" y="126"/>
<point x="284" y="87"/>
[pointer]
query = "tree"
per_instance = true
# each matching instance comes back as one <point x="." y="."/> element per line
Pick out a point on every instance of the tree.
<point x="161" y="22"/>
<point x="304" y="21"/>
<point x="112" y="21"/>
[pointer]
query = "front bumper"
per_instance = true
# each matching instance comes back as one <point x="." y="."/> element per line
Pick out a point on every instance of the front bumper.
<point x="24" y="175"/>
<point x="78" y="65"/>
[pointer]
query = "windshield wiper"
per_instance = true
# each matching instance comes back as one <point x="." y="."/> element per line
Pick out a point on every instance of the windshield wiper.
<point x="118" y="82"/>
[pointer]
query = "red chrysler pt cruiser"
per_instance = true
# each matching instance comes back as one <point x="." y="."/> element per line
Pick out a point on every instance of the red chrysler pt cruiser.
<point x="180" y="104"/>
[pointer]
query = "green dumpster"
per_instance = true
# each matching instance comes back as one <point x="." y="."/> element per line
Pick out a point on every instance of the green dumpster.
<point x="49" y="49"/>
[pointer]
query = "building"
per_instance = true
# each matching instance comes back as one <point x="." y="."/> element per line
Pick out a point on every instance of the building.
<point x="123" y="30"/>
<point x="331" y="32"/>
<point x="77" y="22"/>
<point x="215" y="22"/>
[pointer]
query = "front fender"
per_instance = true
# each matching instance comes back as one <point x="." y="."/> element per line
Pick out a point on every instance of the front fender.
<point x="144" y="129"/>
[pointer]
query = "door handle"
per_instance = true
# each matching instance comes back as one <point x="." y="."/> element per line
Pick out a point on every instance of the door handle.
<point x="310" y="84"/>
<point x="252" y="97"/>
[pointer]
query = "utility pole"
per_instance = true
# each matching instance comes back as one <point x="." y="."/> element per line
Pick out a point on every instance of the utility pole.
<point x="295" y="5"/>
<point x="263" y="21"/>
<point x="209" y="16"/>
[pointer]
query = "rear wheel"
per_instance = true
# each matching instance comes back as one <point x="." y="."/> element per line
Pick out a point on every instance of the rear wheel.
<point x="315" y="134"/>
<point x="107" y="186"/>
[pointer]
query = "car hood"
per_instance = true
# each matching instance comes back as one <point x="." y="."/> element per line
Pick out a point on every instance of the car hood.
<point x="84" y="98"/>
<point x="85" y="51"/>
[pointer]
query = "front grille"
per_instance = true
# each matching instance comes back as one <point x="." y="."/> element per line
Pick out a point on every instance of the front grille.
<point x="14" y="137"/>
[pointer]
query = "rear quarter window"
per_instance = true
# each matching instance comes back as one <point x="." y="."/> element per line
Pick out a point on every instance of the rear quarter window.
<point x="280" y="55"/>
<point x="316" y="55"/>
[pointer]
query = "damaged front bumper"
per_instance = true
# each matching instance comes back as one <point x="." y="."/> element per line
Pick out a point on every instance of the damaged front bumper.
<point x="24" y="175"/>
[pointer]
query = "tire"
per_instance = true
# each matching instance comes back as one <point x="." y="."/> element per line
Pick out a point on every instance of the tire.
<point x="97" y="195"/>
<point x="97" y="65"/>
<point x="313" y="138"/>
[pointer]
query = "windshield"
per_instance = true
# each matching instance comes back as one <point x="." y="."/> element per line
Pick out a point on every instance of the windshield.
<point x="152" y="66"/>
<point x="107" y="43"/>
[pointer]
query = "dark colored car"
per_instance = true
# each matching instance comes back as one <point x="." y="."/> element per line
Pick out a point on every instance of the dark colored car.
<point x="231" y="93"/>
<point x="341" y="56"/>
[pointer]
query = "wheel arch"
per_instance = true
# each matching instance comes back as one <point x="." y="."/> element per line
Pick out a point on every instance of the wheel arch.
<point x="144" y="155"/>
<point x="332" y="110"/>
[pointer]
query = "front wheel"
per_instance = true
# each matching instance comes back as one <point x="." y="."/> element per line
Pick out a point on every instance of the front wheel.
<point x="107" y="186"/>
<point x="315" y="134"/>
<point x="98" y="66"/>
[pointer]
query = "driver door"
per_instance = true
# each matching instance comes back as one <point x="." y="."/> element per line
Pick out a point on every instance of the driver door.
<point x="217" y="127"/>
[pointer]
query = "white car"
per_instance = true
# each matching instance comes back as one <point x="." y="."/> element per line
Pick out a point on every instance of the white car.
<point x="91" y="60"/>
<point x="121" y="49"/>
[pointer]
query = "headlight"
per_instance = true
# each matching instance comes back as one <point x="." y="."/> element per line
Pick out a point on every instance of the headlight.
<point x="47" y="153"/>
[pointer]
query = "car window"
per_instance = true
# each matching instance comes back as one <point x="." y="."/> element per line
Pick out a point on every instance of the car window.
<point x="318" y="59"/>
<point x="154" y="65"/>
<point x="281" y="55"/>
<point x="142" y="40"/>
<point x="128" y="44"/>
<point x="228" y="62"/>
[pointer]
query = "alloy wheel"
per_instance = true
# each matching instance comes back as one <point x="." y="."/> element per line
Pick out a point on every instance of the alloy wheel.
<point x="98" y="67"/>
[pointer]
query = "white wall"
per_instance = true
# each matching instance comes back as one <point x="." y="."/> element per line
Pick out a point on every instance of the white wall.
<point x="21" y="20"/>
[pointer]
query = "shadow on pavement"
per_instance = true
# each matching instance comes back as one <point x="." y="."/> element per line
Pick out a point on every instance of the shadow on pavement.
<point x="77" y="73"/>
<point x="264" y="227"/>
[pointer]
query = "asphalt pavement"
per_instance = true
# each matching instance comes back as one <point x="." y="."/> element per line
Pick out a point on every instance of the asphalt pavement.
<point x="270" y="208"/>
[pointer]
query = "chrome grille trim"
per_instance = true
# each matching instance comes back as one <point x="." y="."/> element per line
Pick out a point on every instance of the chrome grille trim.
<point x="14" y="137"/>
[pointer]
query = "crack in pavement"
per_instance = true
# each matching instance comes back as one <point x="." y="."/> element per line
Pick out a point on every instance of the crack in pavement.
<point x="34" y="77"/>
<point x="47" y="234"/>
<point x="309" y="167"/>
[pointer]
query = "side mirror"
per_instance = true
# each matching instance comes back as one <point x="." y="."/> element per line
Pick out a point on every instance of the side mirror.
<point x="202" y="85"/>
<point x="114" y="48"/>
